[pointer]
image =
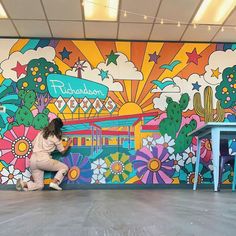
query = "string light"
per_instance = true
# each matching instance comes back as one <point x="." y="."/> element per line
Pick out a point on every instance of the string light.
<point x="161" y="20"/>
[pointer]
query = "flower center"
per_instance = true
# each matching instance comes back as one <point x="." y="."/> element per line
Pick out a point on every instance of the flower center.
<point x="21" y="147"/>
<point x="97" y="181"/>
<point x="190" y="155"/>
<point x="208" y="145"/>
<point x="165" y="145"/>
<point x="190" y="178"/>
<point x="175" y="162"/>
<point x="117" y="167"/>
<point x="154" y="164"/>
<point x="99" y="167"/>
<point x="73" y="173"/>
<point x="10" y="176"/>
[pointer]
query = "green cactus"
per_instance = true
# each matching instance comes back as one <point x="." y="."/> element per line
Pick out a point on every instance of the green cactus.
<point x="29" y="99"/>
<point x="41" y="120"/>
<point x="208" y="112"/>
<point x="172" y="123"/>
<point x="184" y="140"/>
<point x="24" y="115"/>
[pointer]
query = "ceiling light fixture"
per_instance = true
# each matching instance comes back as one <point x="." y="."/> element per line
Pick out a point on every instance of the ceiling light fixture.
<point x="101" y="10"/>
<point x="214" y="11"/>
<point x="3" y="14"/>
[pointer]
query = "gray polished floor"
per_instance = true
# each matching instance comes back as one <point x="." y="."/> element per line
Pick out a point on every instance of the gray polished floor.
<point x="118" y="212"/>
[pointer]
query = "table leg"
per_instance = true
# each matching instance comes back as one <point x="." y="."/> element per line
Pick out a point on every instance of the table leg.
<point x="197" y="163"/>
<point x="215" y="138"/>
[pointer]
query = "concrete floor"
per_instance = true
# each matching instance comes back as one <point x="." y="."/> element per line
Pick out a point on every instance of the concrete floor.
<point x="118" y="212"/>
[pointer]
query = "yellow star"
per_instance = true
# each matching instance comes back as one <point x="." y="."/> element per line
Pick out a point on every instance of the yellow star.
<point x="215" y="73"/>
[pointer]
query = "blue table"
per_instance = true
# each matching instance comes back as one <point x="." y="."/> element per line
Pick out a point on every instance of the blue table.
<point x="214" y="131"/>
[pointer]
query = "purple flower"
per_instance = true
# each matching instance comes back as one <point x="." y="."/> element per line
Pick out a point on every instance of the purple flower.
<point x="79" y="168"/>
<point x="153" y="166"/>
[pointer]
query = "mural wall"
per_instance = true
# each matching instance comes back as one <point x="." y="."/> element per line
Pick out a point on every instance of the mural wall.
<point x="128" y="106"/>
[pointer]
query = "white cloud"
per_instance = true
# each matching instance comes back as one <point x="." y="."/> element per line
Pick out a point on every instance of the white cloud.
<point x="185" y="87"/>
<point x="218" y="59"/>
<point x="6" y="45"/>
<point x="124" y="70"/>
<point x="23" y="58"/>
<point x="93" y="75"/>
<point x="221" y="60"/>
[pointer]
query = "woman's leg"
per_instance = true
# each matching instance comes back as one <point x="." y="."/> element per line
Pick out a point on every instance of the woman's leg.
<point x="54" y="165"/>
<point x="61" y="169"/>
<point x="37" y="184"/>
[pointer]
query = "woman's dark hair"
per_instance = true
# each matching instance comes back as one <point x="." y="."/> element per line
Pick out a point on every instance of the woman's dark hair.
<point x="54" y="128"/>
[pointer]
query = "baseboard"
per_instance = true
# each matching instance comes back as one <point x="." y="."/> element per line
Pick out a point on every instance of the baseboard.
<point x="125" y="186"/>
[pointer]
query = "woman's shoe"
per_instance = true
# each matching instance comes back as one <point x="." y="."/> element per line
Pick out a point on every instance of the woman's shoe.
<point x="55" y="186"/>
<point x="19" y="185"/>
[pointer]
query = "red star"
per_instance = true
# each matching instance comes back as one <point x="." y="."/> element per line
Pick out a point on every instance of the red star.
<point x="193" y="56"/>
<point x="20" y="69"/>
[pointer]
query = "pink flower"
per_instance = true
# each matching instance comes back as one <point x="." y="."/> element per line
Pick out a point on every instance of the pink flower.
<point x="205" y="151"/>
<point x="16" y="146"/>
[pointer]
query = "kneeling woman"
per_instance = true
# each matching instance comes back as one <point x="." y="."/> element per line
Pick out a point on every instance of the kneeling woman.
<point x="41" y="160"/>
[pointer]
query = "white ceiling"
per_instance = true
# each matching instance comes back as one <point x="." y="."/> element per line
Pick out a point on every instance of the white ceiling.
<point x="65" y="19"/>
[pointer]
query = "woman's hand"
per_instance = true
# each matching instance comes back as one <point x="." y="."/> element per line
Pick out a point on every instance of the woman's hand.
<point x="69" y="142"/>
<point x="67" y="146"/>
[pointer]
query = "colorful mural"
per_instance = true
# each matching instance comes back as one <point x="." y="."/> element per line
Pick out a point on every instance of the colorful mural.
<point x="128" y="106"/>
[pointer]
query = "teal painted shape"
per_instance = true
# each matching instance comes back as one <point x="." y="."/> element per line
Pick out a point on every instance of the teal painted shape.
<point x="95" y="154"/>
<point x="32" y="44"/>
<point x="116" y="123"/>
<point x="77" y="127"/>
<point x="148" y="118"/>
<point x="233" y="46"/>
<point x="162" y="85"/>
<point x="68" y="86"/>
<point x="171" y="66"/>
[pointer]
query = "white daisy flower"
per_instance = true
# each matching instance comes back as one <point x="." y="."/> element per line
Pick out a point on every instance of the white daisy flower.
<point x="99" y="166"/>
<point x="149" y="142"/>
<point x="178" y="161"/>
<point x="189" y="155"/>
<point x="10" y="175"/>
<point x="167" y="142"/>
<point x="26" y="175"/>
<point x="98" y="179"/>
